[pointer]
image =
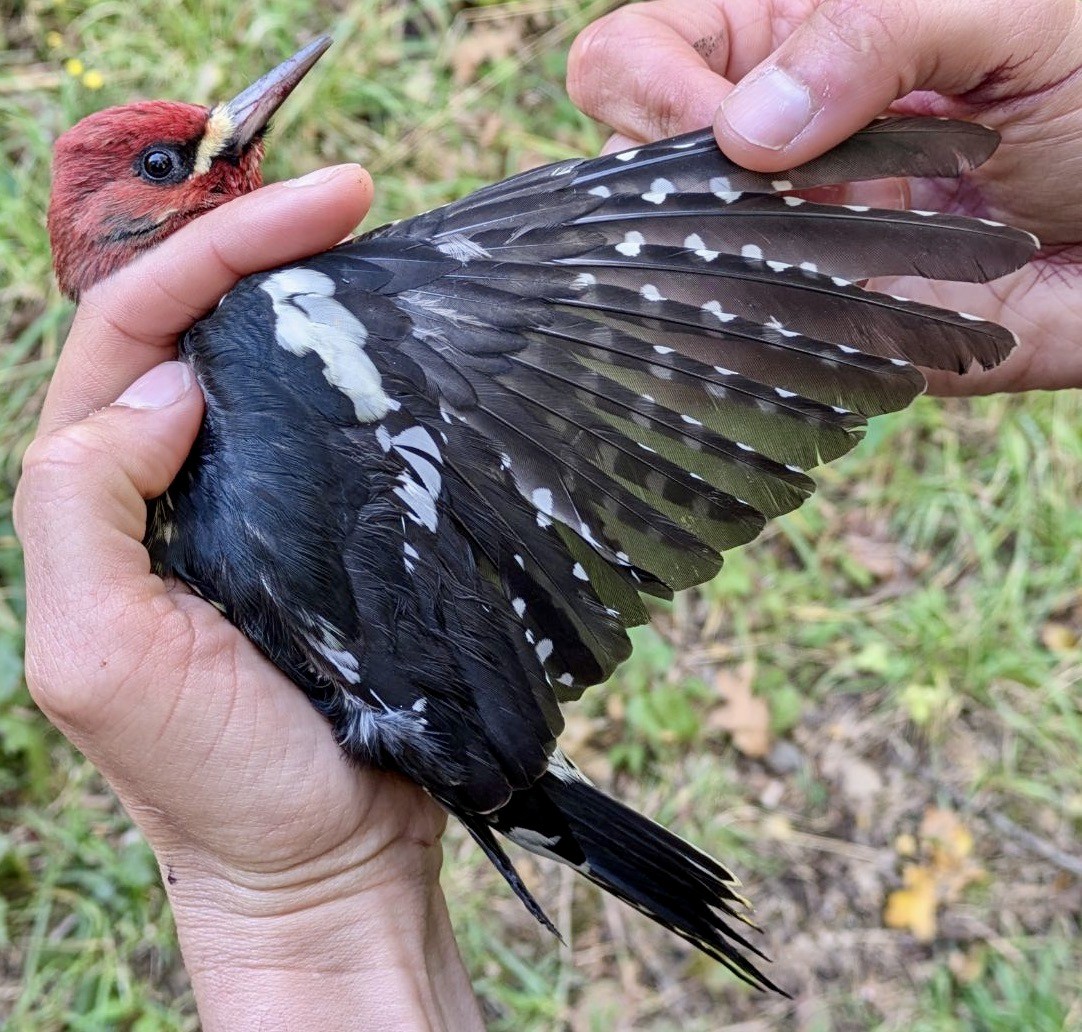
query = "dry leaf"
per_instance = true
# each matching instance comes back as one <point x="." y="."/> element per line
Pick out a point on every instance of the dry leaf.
<point x="947" y="868"/>
<point x="744" y="716"/>
<point x="1059" y="638"/>
<point x="484" y="43"/>
<point x="882" y="559"/>
<point x="912" y="909"/>
<point x="950" y="847"/>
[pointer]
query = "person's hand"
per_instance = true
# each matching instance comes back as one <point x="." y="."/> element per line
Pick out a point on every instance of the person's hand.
<point x="811" y="73"/>
<point x="305" y="890"/>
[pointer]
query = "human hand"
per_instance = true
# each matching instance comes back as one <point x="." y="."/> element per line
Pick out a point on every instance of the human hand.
<point x="811" y="72"/>
<point x="291" y="873"/>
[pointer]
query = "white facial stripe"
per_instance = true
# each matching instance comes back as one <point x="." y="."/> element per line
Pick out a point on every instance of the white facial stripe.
<point x="215" y="136"/>
<point x="309" y="319"/>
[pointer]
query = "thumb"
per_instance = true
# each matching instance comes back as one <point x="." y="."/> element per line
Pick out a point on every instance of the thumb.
<point x="80" y="512"/>
<point x="852" y="59"/>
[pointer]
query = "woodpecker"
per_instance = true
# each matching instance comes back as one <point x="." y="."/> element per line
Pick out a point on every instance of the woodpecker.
<point x="443" y="463"/>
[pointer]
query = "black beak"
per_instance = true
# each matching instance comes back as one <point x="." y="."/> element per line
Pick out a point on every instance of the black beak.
<point x="249" y="112"/>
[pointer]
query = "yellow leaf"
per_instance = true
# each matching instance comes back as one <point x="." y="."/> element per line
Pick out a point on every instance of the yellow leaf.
<point x="912" y="909"/>
<point x="1059" y="638"/>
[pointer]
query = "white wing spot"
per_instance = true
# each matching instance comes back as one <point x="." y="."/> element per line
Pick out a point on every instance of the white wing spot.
<point x="695" y="242"/>
<point x="809" y="267"/>
<point x="690" y="420"/>
<point x="782" y="185"/>
<point x="650" y="293"/>
<point x="779" y="266"/>
<point x="782" y="393"/>
<point x="628" y="155"/>
<point x="794" y="202"/>
<point x="583" y="281"/>
<point x="659" y="190"/>
<point x="662" y="350"/>
<point x="751" y="251"/>
<point x="544" y="649"/>
<point x="519" y="606"/>
<point x="715" y="309"/>
<point x="542" y="500"/>
<point x="632" y="245"/>
<point x="600" y="191"/>
<point x="579" y="571"/>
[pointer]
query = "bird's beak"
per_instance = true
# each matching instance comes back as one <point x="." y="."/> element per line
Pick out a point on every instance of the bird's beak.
<point x="249" y="111"/>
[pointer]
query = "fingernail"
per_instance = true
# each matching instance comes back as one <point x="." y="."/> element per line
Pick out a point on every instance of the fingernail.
<point x="769" y="110"/>
<point x="316" y="178"/>
<point x="160" y="387"/>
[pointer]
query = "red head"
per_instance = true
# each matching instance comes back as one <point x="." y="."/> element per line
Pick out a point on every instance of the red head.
<point x="127" y="177"/>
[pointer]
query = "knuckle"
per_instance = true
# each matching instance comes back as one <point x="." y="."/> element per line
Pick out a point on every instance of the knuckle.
<point x="51" y="470"/>
<point x="668" y="101"/>
<point x="866" y="27"/>
<point x="587" y="60"/>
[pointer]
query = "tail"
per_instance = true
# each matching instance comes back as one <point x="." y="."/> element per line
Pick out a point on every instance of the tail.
<point x="564" y="817"/>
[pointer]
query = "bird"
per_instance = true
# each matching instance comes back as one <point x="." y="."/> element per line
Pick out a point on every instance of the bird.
<point x="444" y="464"/>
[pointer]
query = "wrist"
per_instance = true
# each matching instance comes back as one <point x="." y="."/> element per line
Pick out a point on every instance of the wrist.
<point x="370" y="947"/>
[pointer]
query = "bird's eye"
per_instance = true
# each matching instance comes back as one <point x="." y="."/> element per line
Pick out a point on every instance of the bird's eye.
<point x="158" y="165"/>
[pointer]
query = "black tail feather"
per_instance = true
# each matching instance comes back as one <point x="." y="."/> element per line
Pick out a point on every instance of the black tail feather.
<point x="566" y="818"/>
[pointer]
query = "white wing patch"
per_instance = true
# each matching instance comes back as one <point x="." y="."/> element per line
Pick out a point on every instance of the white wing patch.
<point x="307" y="319"/>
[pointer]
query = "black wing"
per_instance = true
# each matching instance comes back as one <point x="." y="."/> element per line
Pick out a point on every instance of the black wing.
<point x="658" y="343"/>
<point x="567" y="390"/>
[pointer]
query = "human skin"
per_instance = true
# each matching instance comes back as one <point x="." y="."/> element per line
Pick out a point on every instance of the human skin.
<point x="306" y="891"/>
<point x="811" y="73"/>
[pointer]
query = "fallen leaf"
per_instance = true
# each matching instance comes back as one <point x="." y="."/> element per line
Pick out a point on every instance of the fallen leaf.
<point x="949" y="844"/>
<point x="882" y="559"/>
<point x="912" y="909"/>
<point x="483" y="43"/>
<point x="1059" y="638"/>
<point x="744" y="716"/>
<point x="946" y="868"/>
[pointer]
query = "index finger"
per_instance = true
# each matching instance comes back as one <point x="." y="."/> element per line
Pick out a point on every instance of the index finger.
<point x="131" y="320"/>
<point x="657" y="69"/>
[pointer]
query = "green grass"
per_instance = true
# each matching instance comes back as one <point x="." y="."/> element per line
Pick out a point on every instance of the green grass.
<point x="920" y="619"/>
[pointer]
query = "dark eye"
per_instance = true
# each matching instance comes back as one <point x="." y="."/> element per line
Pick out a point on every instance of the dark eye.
<point x="158" y="165"/>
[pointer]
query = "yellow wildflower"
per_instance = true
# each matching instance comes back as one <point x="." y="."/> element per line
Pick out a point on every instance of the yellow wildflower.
<point x="93" y="80"/>
<point x="53" y="40"/>
<point x="74" y="67"/>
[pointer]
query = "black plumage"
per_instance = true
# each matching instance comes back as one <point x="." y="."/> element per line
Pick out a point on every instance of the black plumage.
<point x="443" y="462"/>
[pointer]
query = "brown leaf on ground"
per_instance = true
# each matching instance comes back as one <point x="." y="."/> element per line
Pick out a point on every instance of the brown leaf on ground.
<point x="744" y="716"/>
<point x="484" y="43"/>
<point x="882" y="559"/>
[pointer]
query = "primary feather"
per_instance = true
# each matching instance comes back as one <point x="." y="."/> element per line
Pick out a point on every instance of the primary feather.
<point x="442" y="463"/>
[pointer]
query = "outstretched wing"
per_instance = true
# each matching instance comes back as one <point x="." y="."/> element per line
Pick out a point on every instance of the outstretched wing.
<point x="657" y="344"/>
